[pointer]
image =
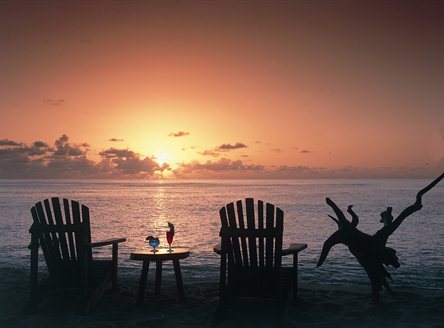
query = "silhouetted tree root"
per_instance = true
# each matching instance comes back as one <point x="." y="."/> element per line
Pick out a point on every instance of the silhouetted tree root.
<point x="371" y="250"/>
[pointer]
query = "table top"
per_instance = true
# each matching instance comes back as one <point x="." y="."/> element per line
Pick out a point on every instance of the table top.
<point x="162" y="254"/>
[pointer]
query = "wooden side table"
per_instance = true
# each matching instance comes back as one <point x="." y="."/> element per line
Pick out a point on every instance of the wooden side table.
<point x="147" y="255"/>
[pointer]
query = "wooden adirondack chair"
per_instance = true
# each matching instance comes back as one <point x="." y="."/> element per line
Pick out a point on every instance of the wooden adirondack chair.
<point x="251" y="251"/>
<point x="65" y="239"/>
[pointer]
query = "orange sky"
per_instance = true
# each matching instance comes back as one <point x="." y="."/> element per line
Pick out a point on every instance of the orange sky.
<point x="260" y="89"/>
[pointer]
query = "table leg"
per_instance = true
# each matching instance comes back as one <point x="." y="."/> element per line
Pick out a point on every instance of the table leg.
<point x="295" y="275"/>
<point x="142" y="282"/>
<point x="158" y="278"/>
<point x="179" y="282"/>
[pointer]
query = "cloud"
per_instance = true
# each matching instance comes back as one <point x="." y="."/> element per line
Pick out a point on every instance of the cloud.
<point x="210" y="152"/>
<point x="40" y="144"/>
<point x="64" y="148"/>
<point x="295" y="171"/>
<point x="277" y="150"/>
<point x="7" y="142"/>
<point x="71" y="167"/>
<point x="216" y="152"/>
<point x="222" y="168"/>
<point x="114" y="153"/>
<point x="178" y="134"/>
<point x="115" y="140"/>
<point x="305" y="151"/>
<point x="69" y="160"/>
<point x="54" y="102"/>
<point x="126" y="162"/>
<point x="226" y="147"/>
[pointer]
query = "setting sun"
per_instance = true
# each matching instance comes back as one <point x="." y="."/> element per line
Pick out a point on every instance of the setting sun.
<point x="161" y="158"/>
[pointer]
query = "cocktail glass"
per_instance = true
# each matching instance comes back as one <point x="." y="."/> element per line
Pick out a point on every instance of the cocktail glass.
<point x="169" y="236"/>
<point x="154" y="242"/>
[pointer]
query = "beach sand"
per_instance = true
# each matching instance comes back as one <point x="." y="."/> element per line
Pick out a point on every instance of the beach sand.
<point x="317" y="306"/>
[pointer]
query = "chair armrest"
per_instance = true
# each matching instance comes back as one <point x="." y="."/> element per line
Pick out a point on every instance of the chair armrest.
<point x="217" y="248"/>
<point x="294" y="249"/>
<point x="106" y="242"/>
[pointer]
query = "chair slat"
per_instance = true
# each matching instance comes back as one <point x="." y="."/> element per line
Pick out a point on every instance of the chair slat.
<point x="54" y="235"/>
<point x="60" y="224"/>
<point x="260" y="218"/>
<point x="251" y="228"/>
<point x="234" y="240"/>
<point x="278" y="241"/>
<point x="269" y="240"/>
<point x="46" y="240"/>
<point x="72" y="247"/>
<point x="240" y="217"/>
<point x="39" y="233"/>
<point x="76" y="222"/>
<point x="87" y="236"/>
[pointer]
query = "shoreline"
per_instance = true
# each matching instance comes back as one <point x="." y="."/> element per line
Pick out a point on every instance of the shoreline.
<point x="317" y="306"/>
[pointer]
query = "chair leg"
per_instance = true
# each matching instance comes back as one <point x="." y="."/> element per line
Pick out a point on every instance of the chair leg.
<point x="33" y="290"/>
<point x="114" y="269"/>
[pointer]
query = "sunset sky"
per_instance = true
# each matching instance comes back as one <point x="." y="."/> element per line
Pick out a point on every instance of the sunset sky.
<point x="196" y="89"/>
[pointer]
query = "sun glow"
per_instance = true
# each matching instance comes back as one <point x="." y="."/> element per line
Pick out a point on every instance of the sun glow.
<point x="161" y="157"/>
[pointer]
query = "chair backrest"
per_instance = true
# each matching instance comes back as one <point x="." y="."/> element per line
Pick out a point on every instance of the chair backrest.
<point x="62" y="230"/>
<point x="251" y="247"/>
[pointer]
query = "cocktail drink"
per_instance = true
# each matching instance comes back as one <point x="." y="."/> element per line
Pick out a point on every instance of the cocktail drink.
<point x="170" y="237"/>
<point x="153" y="242"/>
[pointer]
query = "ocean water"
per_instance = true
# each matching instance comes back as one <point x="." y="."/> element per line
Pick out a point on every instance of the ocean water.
<point x="135" y="209"/>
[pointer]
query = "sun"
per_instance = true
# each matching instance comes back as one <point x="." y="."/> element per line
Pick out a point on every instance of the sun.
<point x="161" y="157"/>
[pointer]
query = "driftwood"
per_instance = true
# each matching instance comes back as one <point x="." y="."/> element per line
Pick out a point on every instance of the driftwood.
<point x="371" y="250"/>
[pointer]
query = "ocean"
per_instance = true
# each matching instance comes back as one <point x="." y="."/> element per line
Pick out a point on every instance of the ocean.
<point x="136" y="209"/>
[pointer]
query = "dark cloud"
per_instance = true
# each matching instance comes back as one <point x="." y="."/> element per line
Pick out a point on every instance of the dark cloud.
<point x="67" y="160"/>
<point x="178" y="134"/>
<point x="16" y="163"/>
<point x="277" y="150"/>
<point x="295" y="171"/>
<point x="225" y="147"/>
<point x="54" y="102"/>
<point x="223" y="168"/>
<point x="136" y="165"/>
<point x="115" y="140"/>
<point x="7" y="142"/>
<point x="305" y="151"/>
<point x="210" y="152"/>
<point x="216" y="152"/>
<point x="40" y="144"/>
<point x="64" y="148"/>
<point x="121" y="153"/>
<point x="125" y="162"/>
<point x="71" y="167"/>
